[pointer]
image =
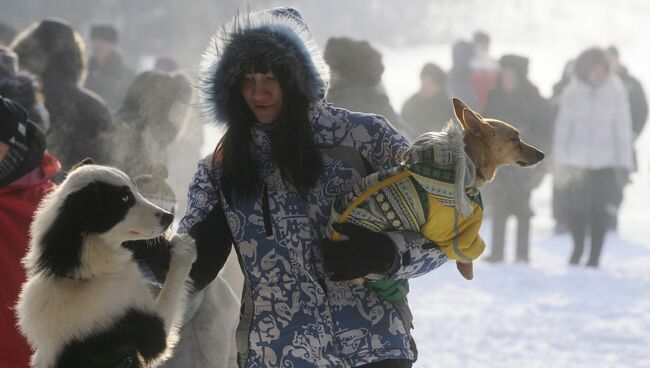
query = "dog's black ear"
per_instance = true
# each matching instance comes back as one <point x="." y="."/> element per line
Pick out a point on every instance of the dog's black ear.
<point x="62" y="243"/>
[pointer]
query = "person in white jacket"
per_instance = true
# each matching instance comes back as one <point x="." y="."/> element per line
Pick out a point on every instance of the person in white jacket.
<point x="592" y="147"/>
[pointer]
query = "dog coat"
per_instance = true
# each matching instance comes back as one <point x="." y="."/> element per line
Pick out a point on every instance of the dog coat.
<point x="431" y="192"/>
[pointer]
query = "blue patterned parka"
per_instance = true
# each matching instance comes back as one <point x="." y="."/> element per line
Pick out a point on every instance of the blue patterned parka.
<point x="293" y="316"/>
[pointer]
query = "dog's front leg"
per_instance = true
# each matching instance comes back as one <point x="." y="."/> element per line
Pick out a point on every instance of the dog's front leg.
<point x="171" y="299"/>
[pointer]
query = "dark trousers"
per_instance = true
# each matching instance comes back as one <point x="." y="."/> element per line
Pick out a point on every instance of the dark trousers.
<point x="401" y="363"/>
<point x="499" y="235"/>
<point x="501" y="212"/>
<point x="592" y="200"/>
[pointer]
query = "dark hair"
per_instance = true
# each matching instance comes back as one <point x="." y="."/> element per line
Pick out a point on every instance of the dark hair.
<point x="435" y="73"/>
<point x="293" y="148"/>
<point x="104" y="32"/>
<point x="613" y="51"/>
<point x="589" y="59"/>
<point x="481" y="37"/>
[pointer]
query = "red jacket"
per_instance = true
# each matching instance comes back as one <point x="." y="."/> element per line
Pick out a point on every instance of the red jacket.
<point x="18" y="201"/>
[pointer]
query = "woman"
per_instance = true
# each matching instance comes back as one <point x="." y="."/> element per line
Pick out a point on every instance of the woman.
<point x="592" y="145"/>
<point x="516" y="99"/>
<point x="53" y="51"/>
<point x="268" y="189"/>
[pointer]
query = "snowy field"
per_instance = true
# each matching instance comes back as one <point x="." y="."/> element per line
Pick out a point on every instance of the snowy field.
<point x="545" y="314"/>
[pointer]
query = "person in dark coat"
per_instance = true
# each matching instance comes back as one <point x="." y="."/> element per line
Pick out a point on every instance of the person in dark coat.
<point x="22" y="87"/>
<point x="108" y="76"/>
<point x="356" y="70"/>
<point x="26" y="170"/>
<point x="638" y="112"/>
<point x="460" y="75"/>
<point x="149" y="120"/>
<point x="430" y="108"/>
<point x="636" y="94"/>
<point x="53" y="51"/>
<point x="518" y="101"/>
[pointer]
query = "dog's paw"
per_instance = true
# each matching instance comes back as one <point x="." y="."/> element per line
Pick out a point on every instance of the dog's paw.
<point x="183" y="247"/>
<point x="466" y="269"/>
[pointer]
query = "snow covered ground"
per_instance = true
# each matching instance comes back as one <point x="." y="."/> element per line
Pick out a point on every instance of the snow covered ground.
<point x="545" y="314"/>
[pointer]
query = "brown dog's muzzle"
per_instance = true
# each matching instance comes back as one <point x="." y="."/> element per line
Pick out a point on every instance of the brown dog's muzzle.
<point x="530" y="155"/>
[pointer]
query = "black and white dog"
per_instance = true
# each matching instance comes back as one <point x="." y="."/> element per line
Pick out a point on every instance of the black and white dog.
<point x="85" y="303"/>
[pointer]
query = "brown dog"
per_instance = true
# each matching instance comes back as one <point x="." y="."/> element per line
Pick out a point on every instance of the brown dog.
<point x="490" y="144"/>
<point x="449" y="168"/>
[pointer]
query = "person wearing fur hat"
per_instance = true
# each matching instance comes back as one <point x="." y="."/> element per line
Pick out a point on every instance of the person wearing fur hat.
<point x="26" y="170"/>
<point x="516" y="99"/>
<point x="54" y="52"/>
<point x="108" y="76"/>
<point x="356" y="70"/>
<point x="268" y="189"/>
<point x="429" y="109"/>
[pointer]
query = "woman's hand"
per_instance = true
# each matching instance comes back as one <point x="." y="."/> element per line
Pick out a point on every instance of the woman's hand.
<point x="362" y="253"/>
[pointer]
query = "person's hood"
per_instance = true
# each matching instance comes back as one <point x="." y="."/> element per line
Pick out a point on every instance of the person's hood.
<point x="280" y="33"/>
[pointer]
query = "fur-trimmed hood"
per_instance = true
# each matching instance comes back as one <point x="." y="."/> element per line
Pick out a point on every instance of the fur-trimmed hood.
<point x="279" y="33"/>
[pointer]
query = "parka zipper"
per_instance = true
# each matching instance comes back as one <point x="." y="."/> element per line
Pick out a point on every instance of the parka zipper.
<point x="266" y="210"/>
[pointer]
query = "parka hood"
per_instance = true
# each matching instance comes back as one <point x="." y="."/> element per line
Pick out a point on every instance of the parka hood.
<point x="279" y="34"/>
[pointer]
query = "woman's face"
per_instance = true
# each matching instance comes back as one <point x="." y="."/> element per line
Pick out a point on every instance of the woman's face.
<point x="263" y="95"/>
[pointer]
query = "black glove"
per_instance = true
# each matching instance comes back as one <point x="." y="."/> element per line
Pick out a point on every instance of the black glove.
<point x="213" y="243"/>
<point x="364" y="252"/>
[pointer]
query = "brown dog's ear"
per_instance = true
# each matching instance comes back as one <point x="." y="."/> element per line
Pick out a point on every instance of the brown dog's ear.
<point x="475" y="125"/>
<point x="459" y="107"/>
